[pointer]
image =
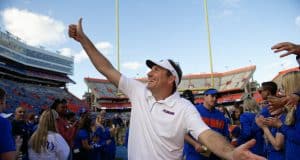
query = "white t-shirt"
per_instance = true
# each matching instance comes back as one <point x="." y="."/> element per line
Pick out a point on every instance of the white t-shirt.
<point x="157" y="128"/>
<point x="57" y="149"/>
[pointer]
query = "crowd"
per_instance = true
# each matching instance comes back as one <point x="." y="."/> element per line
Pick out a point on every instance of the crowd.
<point x="163" y="125"/>
<point x="57" y="133"/>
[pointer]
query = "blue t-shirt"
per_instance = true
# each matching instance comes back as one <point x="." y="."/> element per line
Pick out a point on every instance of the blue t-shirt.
<point x="81" y="135"/>
<point x="292" y="137"/>
<point x="265" y="112"/>
<point x="217" y="122"/>
<point x="250" y="130"/>
<point x="7" y="142"/>
<point x="104" y="135"/>
<point x="272" y="153"/>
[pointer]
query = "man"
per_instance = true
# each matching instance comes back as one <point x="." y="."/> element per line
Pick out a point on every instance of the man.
<point x="159" y="117"/>
<point x="214" y="119"/>
<point x="118" y="124"/>
<point x="7" y="143"/>
<point x="267" y="90"/>
<point x="188" y="94"/>
<point x="68" y="132"/>
<point x="20" y="128"/>
<point x="274" y="148"/>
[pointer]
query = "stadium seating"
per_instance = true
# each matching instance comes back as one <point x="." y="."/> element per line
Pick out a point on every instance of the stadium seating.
<point x="101" y="88"/>
<point x="231" y="80"/>
<point x="36" y="97"/>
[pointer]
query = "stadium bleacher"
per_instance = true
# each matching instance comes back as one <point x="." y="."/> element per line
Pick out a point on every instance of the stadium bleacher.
<point x="11" y="47"/>
<point x="36" y="97"/>
<point x="230" y="80"/>
<point x="231" y="84"/>
<point x="34" y="77"/>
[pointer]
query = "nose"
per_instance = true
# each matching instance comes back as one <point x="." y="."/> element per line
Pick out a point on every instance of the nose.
<point x="149" y="74"/>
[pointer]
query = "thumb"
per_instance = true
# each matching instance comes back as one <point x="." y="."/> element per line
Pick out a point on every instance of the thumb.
<point x="79" y="26"/>
<point x="249" y="144"/>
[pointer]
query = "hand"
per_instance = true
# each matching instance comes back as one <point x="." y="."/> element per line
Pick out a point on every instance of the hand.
<point x="108" y="141"/>
<point x="260" y="121"/>
<point x="273" y="122"/>
<point x="18" y="141"/>
<point x="76" y="31"/>
<point x="292" y="100"/>
<point x="286" y="46"/>
<point x="198" y="148"/>
<point x="242" y="152"/>
<point x="276" y="104"/>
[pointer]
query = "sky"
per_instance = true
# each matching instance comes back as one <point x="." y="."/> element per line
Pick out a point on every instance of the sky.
<point x="242" y="33"/>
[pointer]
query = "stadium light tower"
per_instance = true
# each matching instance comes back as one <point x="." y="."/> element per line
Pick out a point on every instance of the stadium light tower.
<point x="209" y="45"/>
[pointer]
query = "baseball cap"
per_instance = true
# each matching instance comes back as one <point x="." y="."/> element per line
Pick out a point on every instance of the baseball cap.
<point x="210" y="91"/>
<point x="170" y="65"/>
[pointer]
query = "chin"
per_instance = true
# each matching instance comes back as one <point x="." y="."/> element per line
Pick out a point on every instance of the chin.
<point x="149" y="86"/>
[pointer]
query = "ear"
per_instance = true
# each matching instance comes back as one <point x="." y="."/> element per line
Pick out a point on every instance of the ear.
<point x="172" y="79"/>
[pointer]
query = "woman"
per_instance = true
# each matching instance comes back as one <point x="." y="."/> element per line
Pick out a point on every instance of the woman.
<point x="83" y="147"/>
<point x="106" y="133"/>
<point x="249" y="129"/>
<point x="291" y="127"/>
<point x="46" y="143"/>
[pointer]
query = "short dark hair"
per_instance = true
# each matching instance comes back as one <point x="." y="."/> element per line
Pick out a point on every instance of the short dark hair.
<point x="2" y="94"/>
<point x="57" y="102"/>
<point x="174" y="83"/>
<point x="188" y="94"/>
<point x="270" y="86"/>
<point x="177" y="69"/>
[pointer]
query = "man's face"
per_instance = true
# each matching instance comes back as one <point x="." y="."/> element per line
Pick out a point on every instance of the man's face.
<point x="61" y="109"/>
<point x="100" y="119"/>
<point x="20" y="113"/>
<point x="158" y="78"/>
<point x="264" y="93"/>
<point x="210" y="99"/>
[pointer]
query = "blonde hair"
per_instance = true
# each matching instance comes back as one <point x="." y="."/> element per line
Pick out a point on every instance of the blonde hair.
<point x="290" y="84"/>
<point x="250" y="105"/>
<point x="47" y="123"/>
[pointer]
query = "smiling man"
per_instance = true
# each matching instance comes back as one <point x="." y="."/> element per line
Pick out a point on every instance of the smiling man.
<point x="159" y="117"/>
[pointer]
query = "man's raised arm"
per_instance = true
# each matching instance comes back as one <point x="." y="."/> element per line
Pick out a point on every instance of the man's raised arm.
<point x="98" y="59"/>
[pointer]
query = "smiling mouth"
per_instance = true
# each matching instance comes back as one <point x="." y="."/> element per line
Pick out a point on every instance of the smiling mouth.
<point x="150" y="81"/>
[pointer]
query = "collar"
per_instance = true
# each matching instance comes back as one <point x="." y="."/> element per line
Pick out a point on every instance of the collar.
<point x="169" y="101"/>
<point x="212" y="110"/>
<point x="5" y="115"/>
